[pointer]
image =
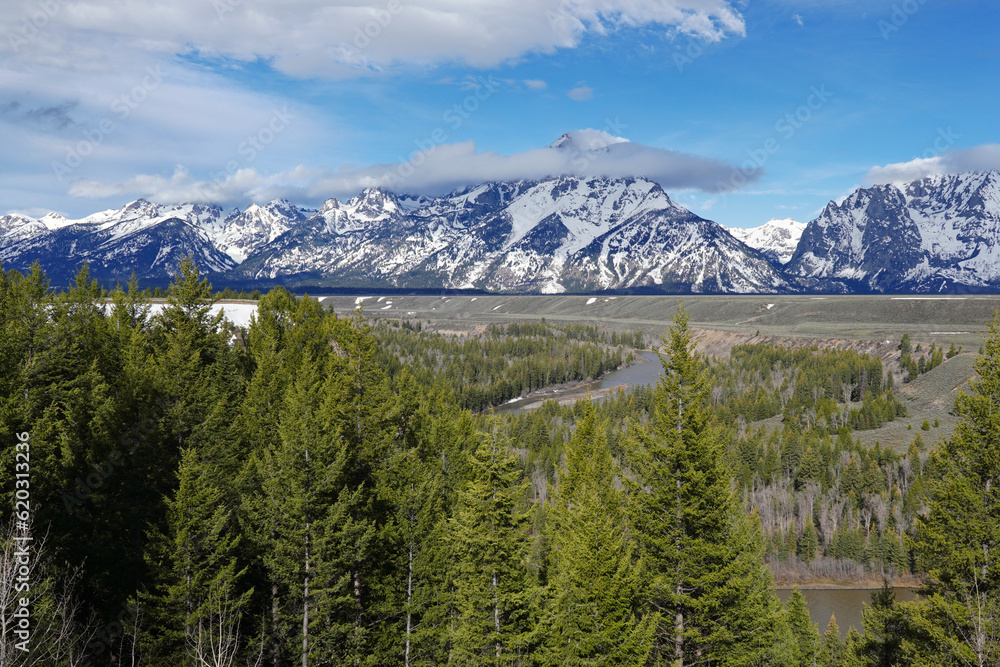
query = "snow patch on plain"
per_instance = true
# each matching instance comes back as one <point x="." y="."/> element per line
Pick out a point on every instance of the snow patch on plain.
<point x="237" y="313"/>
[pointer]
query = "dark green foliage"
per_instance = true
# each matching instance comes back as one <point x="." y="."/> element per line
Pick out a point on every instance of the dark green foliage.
<point x="313" y="487"/>
<point x="490" y="544"/>
<point x="808" y="543"/>
<point x="195" y="570"/>
<point x="595" y="578"/>
<point x="805" y="634"/>
<point x="707" y="581"/>
<point x="885" y="630"/>
<point x="958" y="540"/>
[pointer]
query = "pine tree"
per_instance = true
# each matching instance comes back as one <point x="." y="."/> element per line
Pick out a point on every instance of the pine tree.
<point x="810" y="468"/>
<point x="359" y="407"/>
<point x="958" y="540"/>
<point x="416" y="490"/>
<point x="808" y="543"/>
<point x="831" y="653"/>
<point x="852" y="648"/>
<point x="189" y="305"/>
<point x="312" y="523"/>
<point x="805" y="633"/>
<point x="594" y="578"/>
<point x="885" y="626"/>
<point x="692" y="531"/>
<point x="198" y="606"/>
<point x="490" y="547"/>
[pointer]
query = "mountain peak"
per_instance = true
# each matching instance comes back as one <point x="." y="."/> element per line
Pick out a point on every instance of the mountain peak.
<point x="776" y="239"/>
<point x="586" y="141"/>
<point x="139" y="204"/>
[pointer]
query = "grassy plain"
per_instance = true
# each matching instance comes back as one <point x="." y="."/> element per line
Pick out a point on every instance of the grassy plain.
<point x="872" y="324"/>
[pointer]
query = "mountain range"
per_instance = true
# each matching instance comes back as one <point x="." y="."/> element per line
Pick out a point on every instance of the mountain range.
<point x="560" y="234"/>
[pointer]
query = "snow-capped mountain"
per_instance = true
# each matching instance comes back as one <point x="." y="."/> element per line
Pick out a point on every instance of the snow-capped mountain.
<point x="939" y="233"/>
<point x="244" y="234"/>
<point x="777" y="239"/>
<point x="150" y="239"/>
<point x="552" y="235"/>
<point x="547" y="236"/>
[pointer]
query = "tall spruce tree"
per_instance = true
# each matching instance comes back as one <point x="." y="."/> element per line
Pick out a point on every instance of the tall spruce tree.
<point x="831" y="653"/>
<point x="308" y="519"/>
<point x="198" y="605"/>
<point x="360" y="408"/>
<point x="415" y="488"/>
<point x="805" y="633"/>
<point x="708" y="582"/>
<point x="595" y="578"/>
<point x="492" y="625"/>
<point x="886" y="629"/>
<point x="958" y="540"/>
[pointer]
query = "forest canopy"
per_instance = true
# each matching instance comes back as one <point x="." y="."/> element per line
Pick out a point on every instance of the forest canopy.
<point x="328" y="490"/>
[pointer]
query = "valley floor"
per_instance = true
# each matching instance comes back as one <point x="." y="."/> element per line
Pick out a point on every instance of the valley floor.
<point x="870" y="324"/>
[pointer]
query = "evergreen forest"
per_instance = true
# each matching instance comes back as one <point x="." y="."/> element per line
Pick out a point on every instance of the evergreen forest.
<point x="327" y="490"/>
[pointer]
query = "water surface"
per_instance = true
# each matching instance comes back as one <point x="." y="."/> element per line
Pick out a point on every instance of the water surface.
<point x="640" y="373"/>
<point x="846" y="604"/>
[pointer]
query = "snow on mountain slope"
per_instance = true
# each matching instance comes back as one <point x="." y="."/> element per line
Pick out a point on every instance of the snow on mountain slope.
<point x="776" y="239"/>
<point x="246" y="233"/>
<point x="554" y="235"/>
<point x="938" y="233"/>
<point x="144" y="237"/>
<point x="546" y="236"/>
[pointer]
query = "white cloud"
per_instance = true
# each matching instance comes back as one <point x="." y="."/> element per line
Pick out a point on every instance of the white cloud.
<point x="798" y="19"/>
<point x="902" y="172"/>
<point x="978" y="158"/>
<point x="67" y="64"/>
<point x="440" y="169"/>
<point x="61" y="128"/>
<point x="581" y="94"/>
<point x="339" y="38"/>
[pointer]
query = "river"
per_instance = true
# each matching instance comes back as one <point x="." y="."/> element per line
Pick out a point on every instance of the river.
<point x="845" y="603"/>
<point x="642" y="372"/>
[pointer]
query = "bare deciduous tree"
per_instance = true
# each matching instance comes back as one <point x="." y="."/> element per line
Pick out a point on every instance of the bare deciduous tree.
<point x="57" y="630"/>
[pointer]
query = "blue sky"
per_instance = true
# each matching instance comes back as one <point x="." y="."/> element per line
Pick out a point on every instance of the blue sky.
<point x="744" y="111"/>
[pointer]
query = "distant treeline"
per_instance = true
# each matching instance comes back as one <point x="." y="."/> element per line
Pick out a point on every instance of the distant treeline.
<point x="504" y="362"/>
